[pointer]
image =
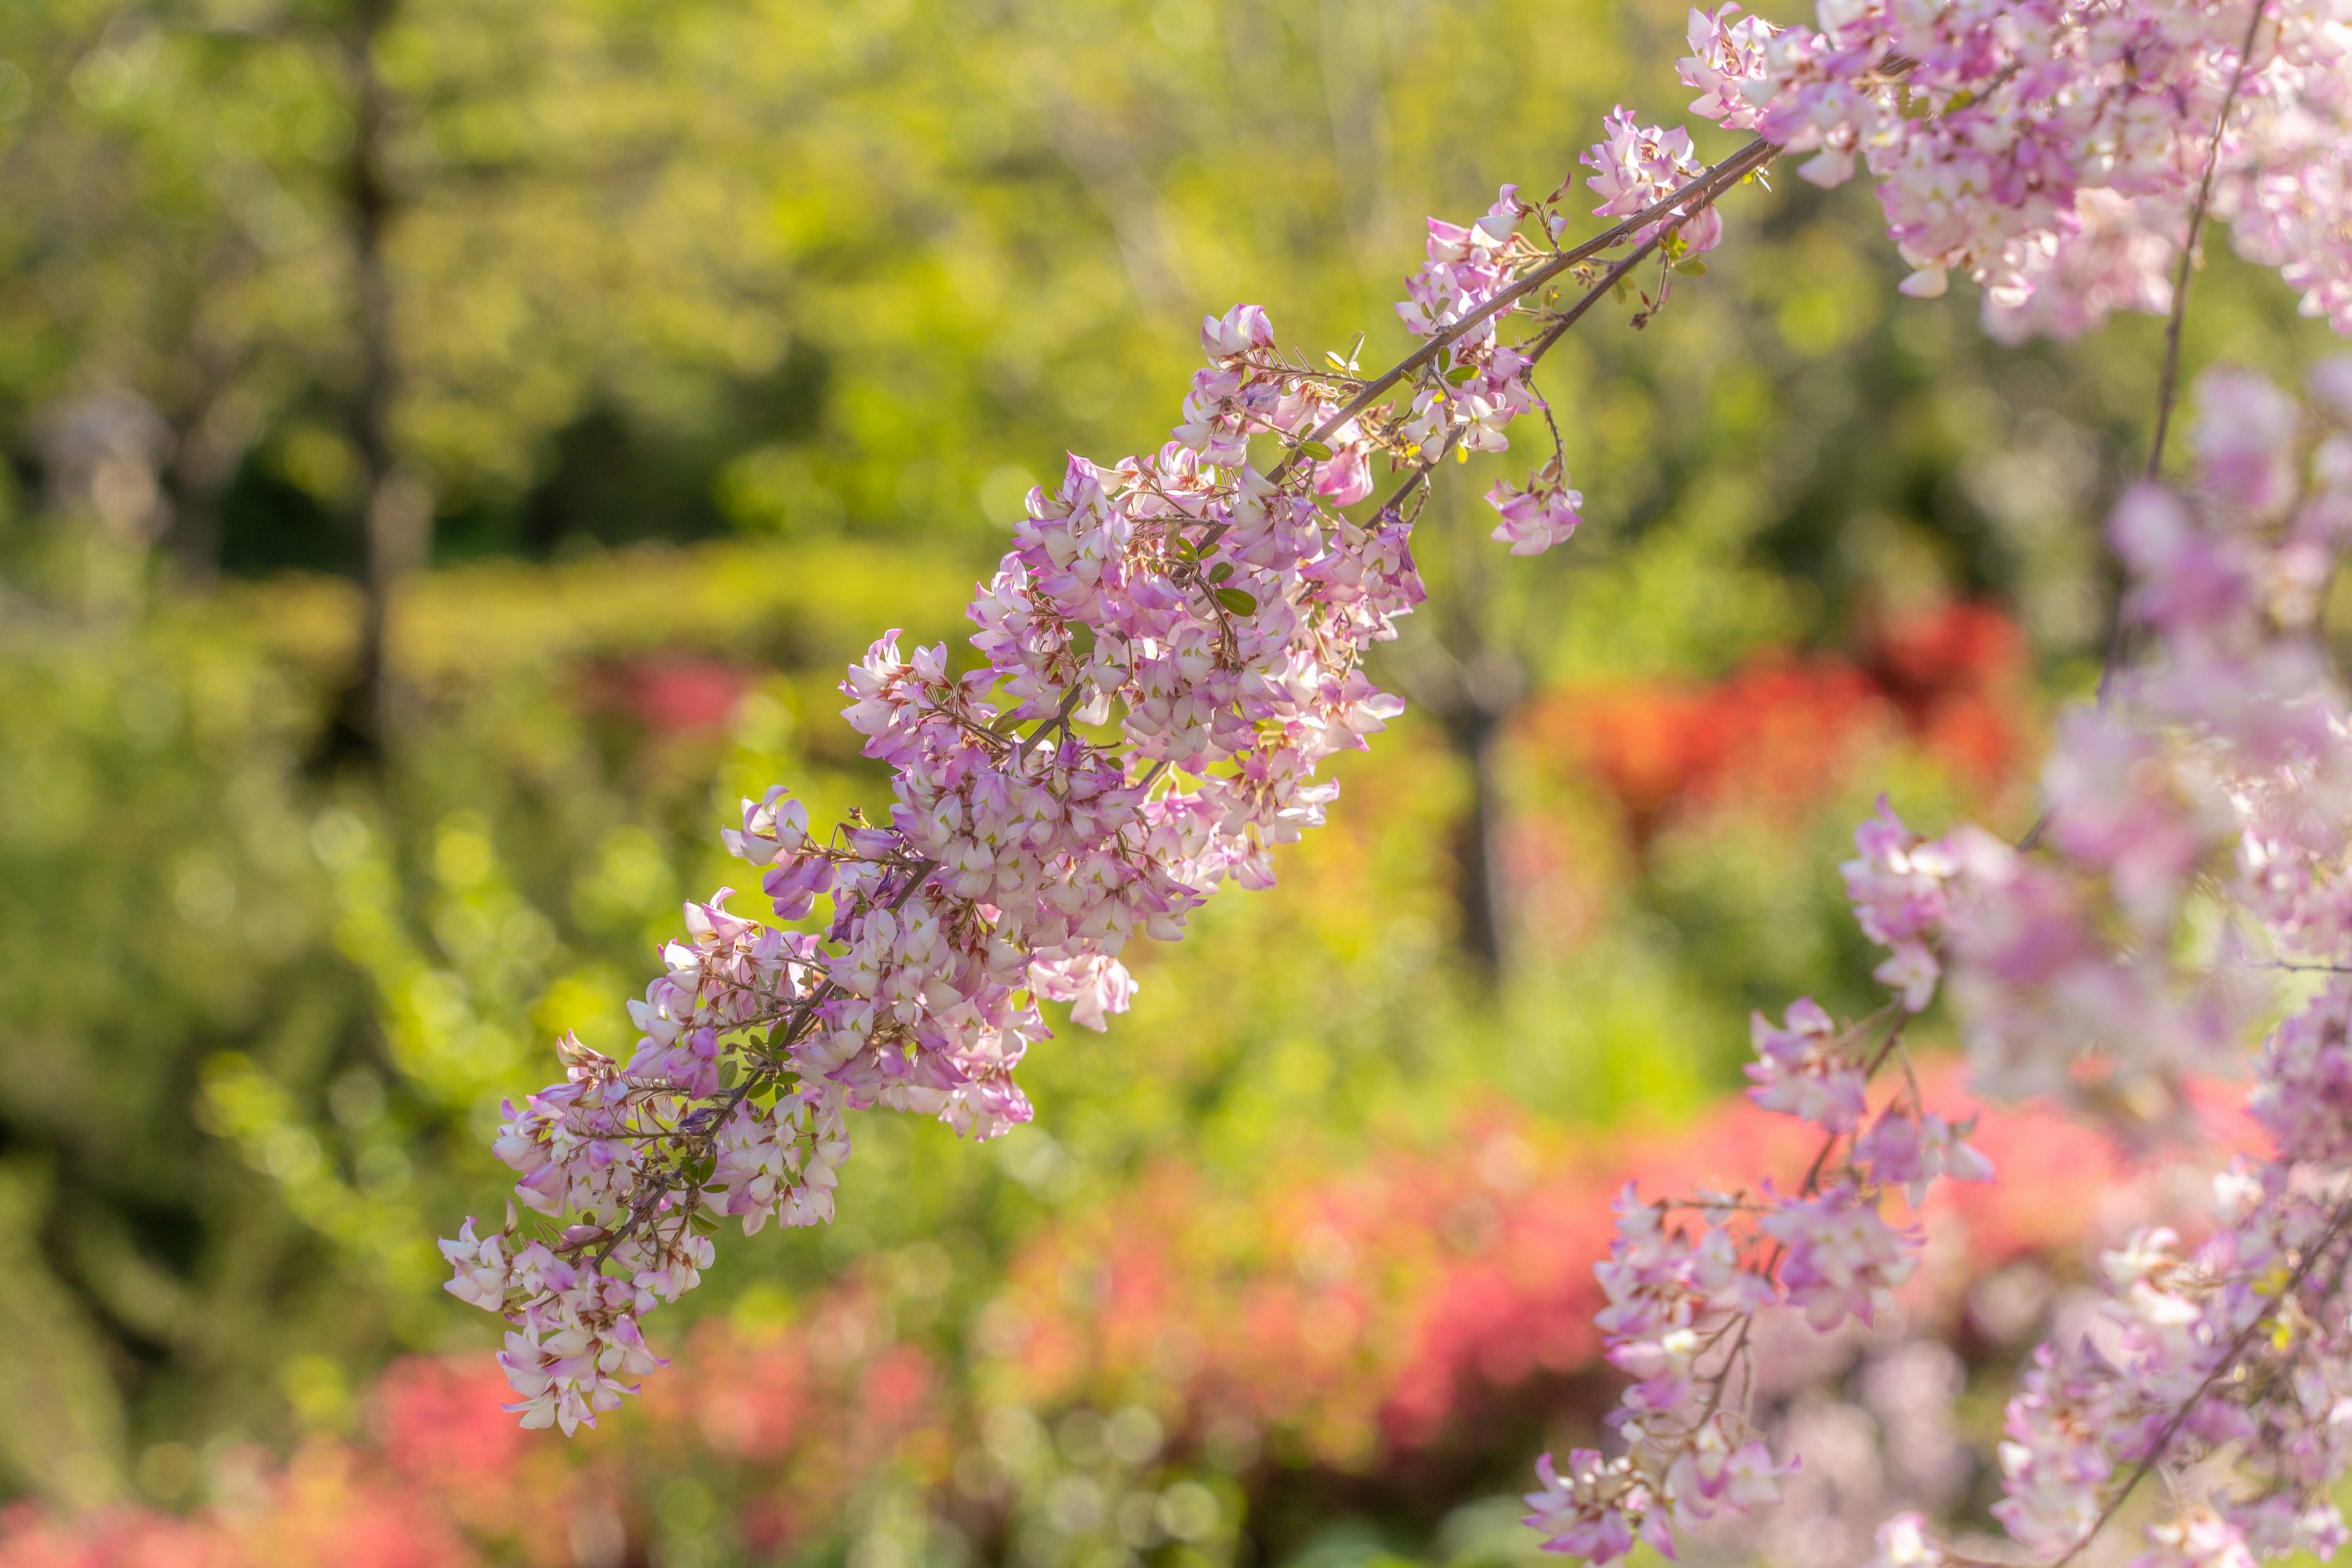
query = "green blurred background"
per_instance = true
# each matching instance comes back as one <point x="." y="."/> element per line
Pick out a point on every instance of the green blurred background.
<point x="452" y="446"/>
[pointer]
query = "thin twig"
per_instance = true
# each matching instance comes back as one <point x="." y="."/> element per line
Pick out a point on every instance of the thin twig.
<point x="692" y="1144"/>
<point x="1059" y="721"/>
<point x="1617" y="274"/>
<point x="1701" y="191"/>
<point x="2222" y="1368"/>
<point x="2168" y="386"/>
<point x="1419" y="477"/>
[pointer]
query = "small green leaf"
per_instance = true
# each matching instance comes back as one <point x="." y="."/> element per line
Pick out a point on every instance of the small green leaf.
<point x="1460" y="375"/>
<point x="1618" y="288"/>
<point x="1238" y="600"/>
<point x="1960" y="100"/>
<point x="1316" y="450"/>
<point x="1220" y="570"/>
<point x="1694" y="267"/>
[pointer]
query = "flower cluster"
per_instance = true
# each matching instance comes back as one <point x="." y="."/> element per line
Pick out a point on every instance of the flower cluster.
<point x="1166" y="658"/>
<point x="1684" y="1298"/>
<point x="2224" y="756"/>
<point x="2206" y="792"/>
<point x="2241" y="1344"/>
<point x="1897" y="886"/>
<point x="2052" y="149"/>
<point x="2220" y="759"/>
<point x="1638" y="167"/>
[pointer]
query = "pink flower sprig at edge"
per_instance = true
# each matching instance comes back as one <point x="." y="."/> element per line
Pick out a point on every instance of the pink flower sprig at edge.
<point x="2223" y="760"/>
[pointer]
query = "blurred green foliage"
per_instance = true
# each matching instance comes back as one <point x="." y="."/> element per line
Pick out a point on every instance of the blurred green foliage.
<point x="729" y="335"/>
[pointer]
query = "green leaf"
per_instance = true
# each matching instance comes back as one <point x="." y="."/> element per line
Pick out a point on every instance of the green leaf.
<point x="1220" y="570"/>
<point x="1238" y="600"/>
<point x="1694" y="267"/>
<point x="1457" y="376"/>
<point x="1316" y="450"/>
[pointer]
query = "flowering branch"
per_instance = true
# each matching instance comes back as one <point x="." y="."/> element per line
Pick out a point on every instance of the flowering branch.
<point x="2230" y="1362"/>
<point x="1207" y="609"/>
<point x="2237" y="736"/>
<point x="1213" y="612"/>
<point x="2233" y="744"/>
<point x="1684" y="202"/>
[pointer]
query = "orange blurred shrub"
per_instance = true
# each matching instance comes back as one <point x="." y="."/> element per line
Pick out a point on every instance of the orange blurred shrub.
<point x="1783" y="728"/>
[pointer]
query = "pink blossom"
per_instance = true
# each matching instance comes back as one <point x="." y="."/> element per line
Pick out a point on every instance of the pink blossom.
<point x="1904" y="1541"/>
<point x="1802" y="1069"/>
<point x="1590" y="1512"/>
<point x="1844" y="1260"/>
<point x="2303" y="1095"/>
<point x="1241" y="330"/>
<point x="1535" y="518"/>
<point x="1725" y="57"/>
<point x="2244" y="441"/>
<point x="1907" y="1151"/>
<point x="1635" y="166"/>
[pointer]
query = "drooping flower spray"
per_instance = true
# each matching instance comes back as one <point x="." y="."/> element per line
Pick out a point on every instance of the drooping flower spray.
<point x="1171" y="648"/>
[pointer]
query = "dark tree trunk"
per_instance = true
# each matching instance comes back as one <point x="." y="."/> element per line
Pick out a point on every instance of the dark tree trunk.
<point x="1483" y="891"/>
<point x="1465" y="676"/>
<point x="395" y="517"/>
